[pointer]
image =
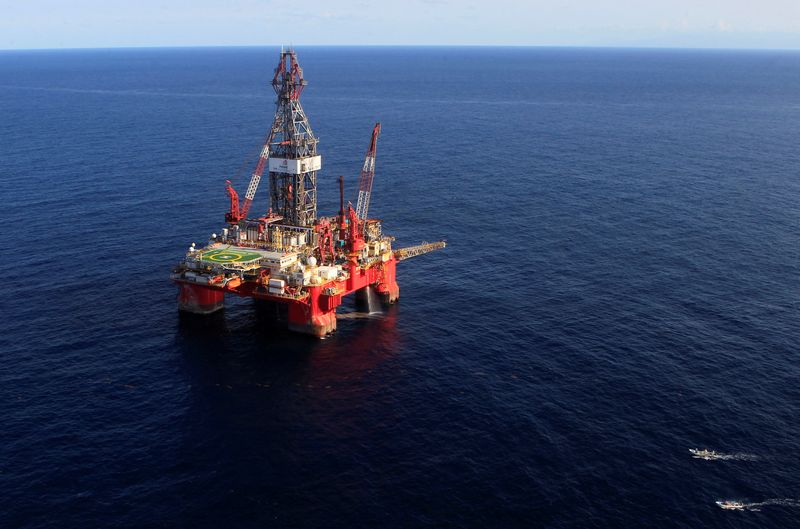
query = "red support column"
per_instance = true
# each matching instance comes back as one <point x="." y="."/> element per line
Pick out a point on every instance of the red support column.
<point x="310" y="317"/>
<point x="387" y="287"/>
<point x="198" y="299"/>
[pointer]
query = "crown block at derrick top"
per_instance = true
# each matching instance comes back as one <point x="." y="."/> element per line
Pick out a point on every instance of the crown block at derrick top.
<point x="298" y="166"/>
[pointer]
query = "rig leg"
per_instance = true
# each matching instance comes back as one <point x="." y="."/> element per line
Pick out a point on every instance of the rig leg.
<point x="387" y="288"/>
<point x="316" y="323"/>
<point x="316" y="315"/>
<point x="198" y="299"/>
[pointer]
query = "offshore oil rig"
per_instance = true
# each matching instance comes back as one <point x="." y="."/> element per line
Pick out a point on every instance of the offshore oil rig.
<point x="288" y="256"/>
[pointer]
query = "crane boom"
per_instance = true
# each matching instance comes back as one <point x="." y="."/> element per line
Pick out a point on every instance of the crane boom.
<point x="256" y="178"/>
<point x="412" y="251"/>
<point x="367" y="175"/>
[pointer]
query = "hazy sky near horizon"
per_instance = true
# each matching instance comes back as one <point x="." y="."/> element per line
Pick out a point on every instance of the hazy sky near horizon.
<point x="671" y="23"/>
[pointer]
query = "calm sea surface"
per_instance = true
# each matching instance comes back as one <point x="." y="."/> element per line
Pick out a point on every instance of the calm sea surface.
<point x="621" y="284"/>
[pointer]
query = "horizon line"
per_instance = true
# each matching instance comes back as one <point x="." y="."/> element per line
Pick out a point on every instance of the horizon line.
<point x="549" y="46"/>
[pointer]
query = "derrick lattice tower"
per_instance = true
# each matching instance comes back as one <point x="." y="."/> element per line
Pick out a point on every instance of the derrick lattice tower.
<point x="289" y="154"/>
<point x="293" y="158"/>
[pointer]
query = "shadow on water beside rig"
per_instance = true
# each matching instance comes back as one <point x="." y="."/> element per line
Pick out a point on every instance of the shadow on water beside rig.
<point x="244" y="373"/>
<point x="252" y="341"/>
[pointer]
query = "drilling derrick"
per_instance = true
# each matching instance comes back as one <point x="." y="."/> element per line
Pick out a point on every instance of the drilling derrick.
<point x="289" y="154"/>
<point x="293" y="158"/>
<point x="290" y="258"/>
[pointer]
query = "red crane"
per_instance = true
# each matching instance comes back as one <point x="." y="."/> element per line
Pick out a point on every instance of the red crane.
<point x="354" y="236"/>
<point x="233" y="216"/>
<point x="367" y="175"/>
<point x="237" y="213"/>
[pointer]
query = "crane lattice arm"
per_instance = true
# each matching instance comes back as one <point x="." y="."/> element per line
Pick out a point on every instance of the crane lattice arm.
<point x="412" y="251"/>
<point x="256" y="178"/>
<point x="367" y="175"/>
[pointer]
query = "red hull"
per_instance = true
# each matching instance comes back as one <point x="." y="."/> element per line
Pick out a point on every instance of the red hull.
<point x="199" y="299"/>
<point x="314" y="313"/>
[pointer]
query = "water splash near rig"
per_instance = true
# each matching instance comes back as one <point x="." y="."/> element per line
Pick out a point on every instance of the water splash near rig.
<point x="373" y="303"/>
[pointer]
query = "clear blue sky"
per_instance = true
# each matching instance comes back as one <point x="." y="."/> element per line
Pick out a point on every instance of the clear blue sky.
<point x="678" y="23"/>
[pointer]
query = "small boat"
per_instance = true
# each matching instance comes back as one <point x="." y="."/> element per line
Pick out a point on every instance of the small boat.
<point x="731" y="505"/>
<point x="708" y="455"/>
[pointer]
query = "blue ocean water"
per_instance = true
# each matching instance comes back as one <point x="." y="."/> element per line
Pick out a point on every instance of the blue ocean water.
<point x="621" y="284"/>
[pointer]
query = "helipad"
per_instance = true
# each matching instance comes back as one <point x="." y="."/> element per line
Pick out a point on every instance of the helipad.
<point x="230" y="255"/>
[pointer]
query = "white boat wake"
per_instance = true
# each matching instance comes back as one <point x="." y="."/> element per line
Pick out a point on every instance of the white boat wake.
<point x="732" y="505"/>
<point x="711" y="455"/>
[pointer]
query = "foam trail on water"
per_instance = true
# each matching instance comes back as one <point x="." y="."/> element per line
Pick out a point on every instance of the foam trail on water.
<point x="711" y="455"/>
<point x="756" y="506"/>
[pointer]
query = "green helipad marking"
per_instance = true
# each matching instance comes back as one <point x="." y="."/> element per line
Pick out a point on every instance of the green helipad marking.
<point x="230" y="256"/>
